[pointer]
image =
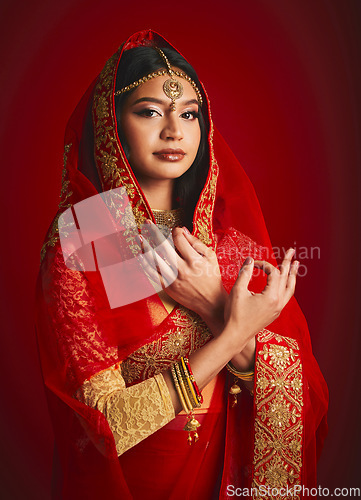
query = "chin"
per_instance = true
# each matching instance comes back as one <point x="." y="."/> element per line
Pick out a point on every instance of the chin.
<point x="173" y="172"/>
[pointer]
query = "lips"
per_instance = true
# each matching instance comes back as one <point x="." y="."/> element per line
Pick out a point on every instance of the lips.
<point x="170" y="154"/>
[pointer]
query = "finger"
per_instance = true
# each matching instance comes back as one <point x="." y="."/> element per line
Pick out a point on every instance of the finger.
<point x="152" y="232"/>
<point x="149" y="268"/>
<point x="286" y="264"/>
<point x="167" y="253"/>
<point x="166" y="270"/>
<point x="145" y="244"/>
<point x="197" y="244"/>
<point x="156" y="269"/>
<point x="291" y="281"/>
<point x="245" y="274"/>
<point x="187" y="253"/>
<point x="273" y="276"/>
<point x="163" y="245"/>
<point x="147" y="258"/>
<point x="266" y="267"/>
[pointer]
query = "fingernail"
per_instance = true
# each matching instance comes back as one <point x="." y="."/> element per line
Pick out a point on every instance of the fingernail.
<point x="248" y="261"/>
<point x="185" y="229"/>
<point x="148" y="221"/>
<point x="296" y="264"/>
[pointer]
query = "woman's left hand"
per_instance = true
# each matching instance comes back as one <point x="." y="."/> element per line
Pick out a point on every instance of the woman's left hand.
<point x="189" y="272"/>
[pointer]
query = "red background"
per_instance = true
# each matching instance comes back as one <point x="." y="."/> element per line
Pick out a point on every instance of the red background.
<point x="284" y="79"/>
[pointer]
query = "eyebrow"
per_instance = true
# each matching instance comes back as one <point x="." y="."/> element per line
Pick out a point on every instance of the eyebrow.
<point x="159" y="101"/>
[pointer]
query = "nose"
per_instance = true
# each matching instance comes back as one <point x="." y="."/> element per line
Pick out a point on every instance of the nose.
<point x="172" y="129"/>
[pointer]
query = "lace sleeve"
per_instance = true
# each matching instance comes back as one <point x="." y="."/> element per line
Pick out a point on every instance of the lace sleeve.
<point x="133" y="413"/>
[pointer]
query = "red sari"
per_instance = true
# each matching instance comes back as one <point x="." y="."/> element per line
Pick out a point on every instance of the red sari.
<point x="270" y="440"/>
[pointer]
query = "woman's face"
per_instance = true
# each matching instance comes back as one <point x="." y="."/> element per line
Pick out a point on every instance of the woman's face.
<point x="163" y="143"/>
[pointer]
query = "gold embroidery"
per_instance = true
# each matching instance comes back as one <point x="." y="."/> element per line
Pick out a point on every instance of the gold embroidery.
<point x="279" y="356"/>
<point x="65" y="193"/>
<point x="112" y="166"/>
<point x="51" y="238"/>
<point x="189" y="333"/>
<point x="203" y="227"/>
<point x="278" y="420"/>
<point x="139" y="215"/>
<point x="53" y="233"/>
<point x="80" y="341"/>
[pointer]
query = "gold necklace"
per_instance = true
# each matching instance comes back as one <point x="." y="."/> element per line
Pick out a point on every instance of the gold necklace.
<point x="169" y="218"/>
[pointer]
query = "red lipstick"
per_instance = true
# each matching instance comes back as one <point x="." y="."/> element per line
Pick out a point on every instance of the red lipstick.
<point x="170" y="154"/>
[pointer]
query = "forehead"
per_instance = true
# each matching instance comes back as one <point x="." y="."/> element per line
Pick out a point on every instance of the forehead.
<point x="154" y="88"/>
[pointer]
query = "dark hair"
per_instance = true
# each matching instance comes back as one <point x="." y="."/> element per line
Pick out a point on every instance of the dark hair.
<point x="135" y="64"/>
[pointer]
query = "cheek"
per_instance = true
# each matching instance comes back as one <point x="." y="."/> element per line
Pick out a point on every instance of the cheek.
<point x="131" y="133"/>
<point x="136" y="137"/>
<point x="196" y="140"/>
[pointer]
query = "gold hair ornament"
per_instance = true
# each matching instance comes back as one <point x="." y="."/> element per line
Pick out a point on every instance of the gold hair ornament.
<point x="172" y="88"/>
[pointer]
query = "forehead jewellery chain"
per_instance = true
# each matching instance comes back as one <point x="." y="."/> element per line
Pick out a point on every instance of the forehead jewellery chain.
<point x="172" y="88"/>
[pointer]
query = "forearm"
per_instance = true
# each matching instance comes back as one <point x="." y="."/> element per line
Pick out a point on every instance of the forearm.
<point x="242" y="361"/>
<point x="207" y="362"/>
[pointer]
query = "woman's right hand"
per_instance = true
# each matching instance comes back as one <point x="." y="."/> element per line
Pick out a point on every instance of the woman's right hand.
<point x="247" y="313"/>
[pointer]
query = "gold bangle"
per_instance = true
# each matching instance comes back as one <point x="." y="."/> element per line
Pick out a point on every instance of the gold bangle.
<point x="194" y="383"/>
<point x="182" y="386"/>
<point x="192" y="423"/>
<point x="178" y="389"/>
<point x="187" y="379"/>
<point x="241" y="375"/>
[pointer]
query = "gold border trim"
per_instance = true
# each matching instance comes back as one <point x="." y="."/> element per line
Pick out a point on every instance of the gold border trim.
<point x="278" y="415"/>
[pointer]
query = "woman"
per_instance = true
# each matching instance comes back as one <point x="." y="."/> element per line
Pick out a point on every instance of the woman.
<point x="119" y="380"/>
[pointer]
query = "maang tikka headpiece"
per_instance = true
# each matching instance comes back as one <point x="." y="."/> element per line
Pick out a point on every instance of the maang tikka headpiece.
<point x="171" y="87"/>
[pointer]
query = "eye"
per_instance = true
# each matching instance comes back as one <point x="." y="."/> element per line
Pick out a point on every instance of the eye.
<point x="148" y="113"/>
<point x="190" y="115"/>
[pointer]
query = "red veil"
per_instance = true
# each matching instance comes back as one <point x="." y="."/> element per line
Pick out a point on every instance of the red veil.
<point x="271" y="440"/>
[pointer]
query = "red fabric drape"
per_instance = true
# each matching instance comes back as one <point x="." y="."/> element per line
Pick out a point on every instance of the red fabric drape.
<point x="79" y="335"/>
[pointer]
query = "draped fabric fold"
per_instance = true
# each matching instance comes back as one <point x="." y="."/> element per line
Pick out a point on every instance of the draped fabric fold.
<point x="88" y="350"/>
